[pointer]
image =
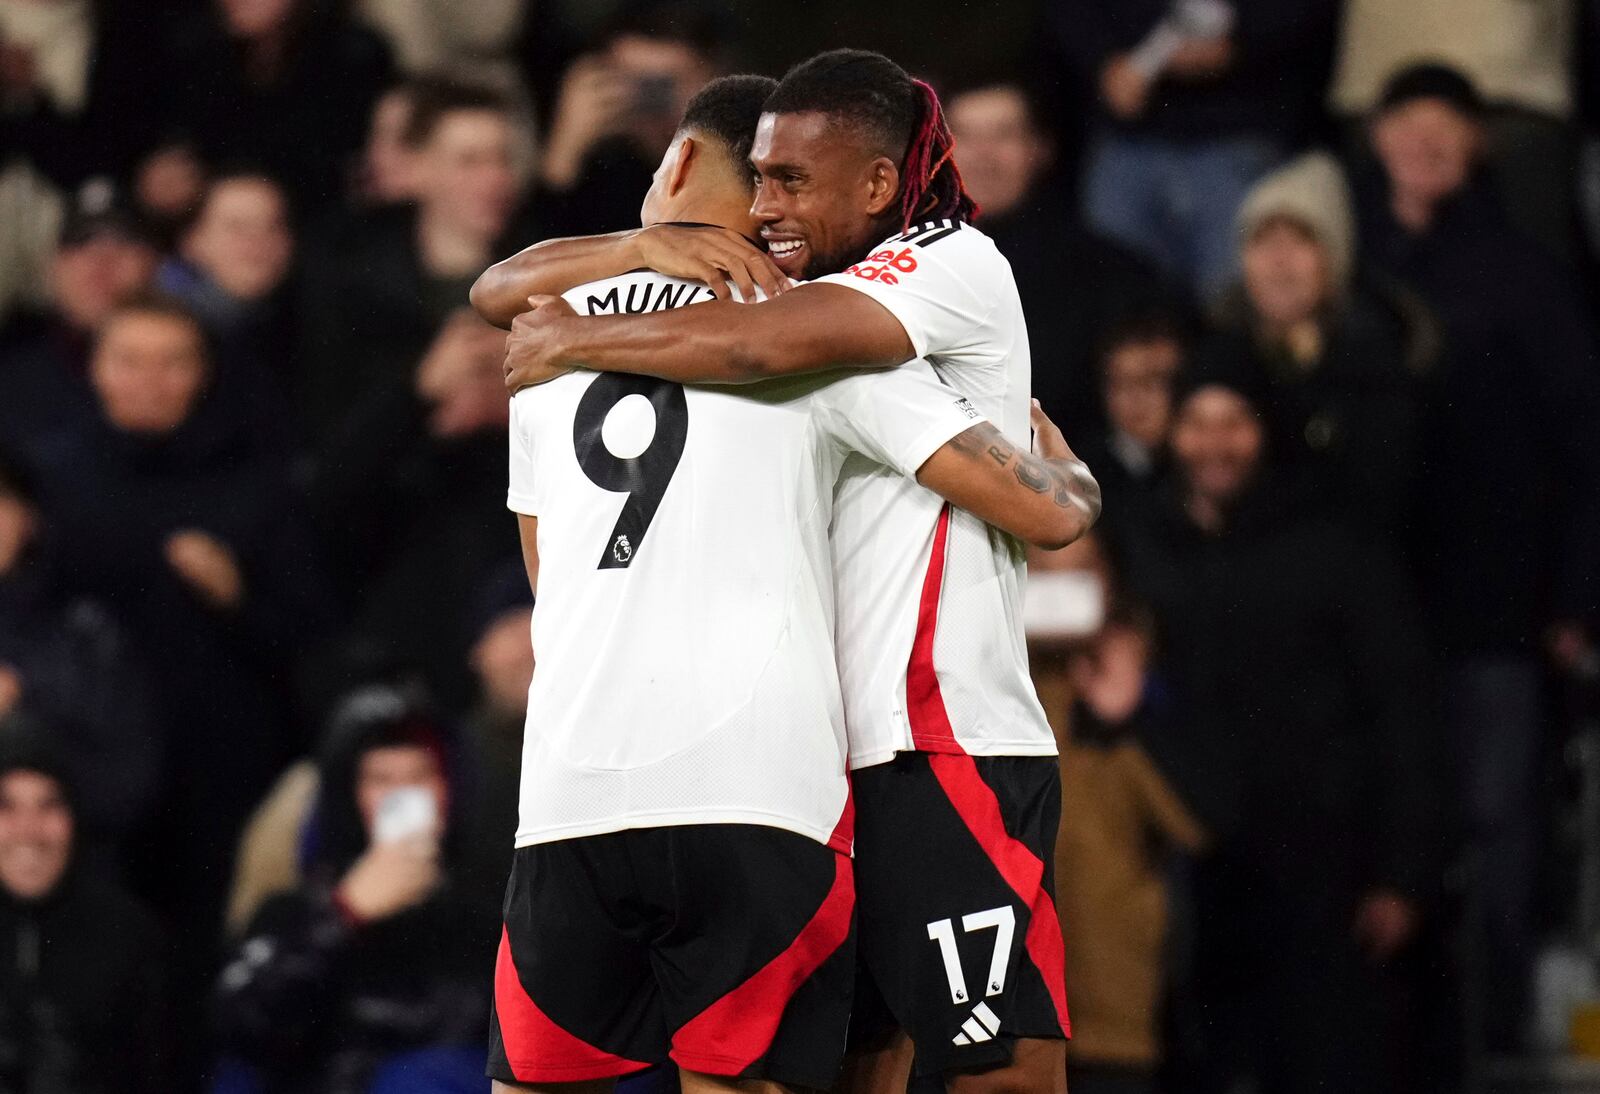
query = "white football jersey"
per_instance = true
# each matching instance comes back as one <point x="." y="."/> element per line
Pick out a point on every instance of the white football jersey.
<point x="931" y="650"/>
<point x="684" y="621"/>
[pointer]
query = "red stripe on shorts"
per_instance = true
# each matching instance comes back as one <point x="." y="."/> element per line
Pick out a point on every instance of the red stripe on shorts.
<point x="979" y="810"/>
<point x="538" y="1050"/>
<point x="737" y="1030"/>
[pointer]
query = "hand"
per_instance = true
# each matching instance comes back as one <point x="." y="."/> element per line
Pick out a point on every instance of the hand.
<point x="1110" y="678"/>
<point x="1123" y="88"/>
<point x="207" y="566"/>
<point x="391" y="877"/>
<point x="10" y="689"/>
<point x="1384" y="923"/>
<point x="713" y="255"/>
<point x="532" y="352"/>
<point x="1201" y="58"/>
<point x="461" y="350"/>
<point x="593" y="105"/>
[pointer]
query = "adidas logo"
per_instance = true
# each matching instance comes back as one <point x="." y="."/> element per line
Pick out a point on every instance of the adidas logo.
<point x="972" y="1032"/>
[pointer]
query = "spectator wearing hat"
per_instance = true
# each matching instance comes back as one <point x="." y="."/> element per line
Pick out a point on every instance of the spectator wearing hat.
<point x="381" y="959"/>
<point x="105" y="255"/>
<point x="1510" y="494"/>
<point x="1340" y="357"/>
<point x="69" y="663"/>
<point x="1298" y="679"/>
<point x="1196" y="99"/>
<point x="1519" y="53"/>
<point x="83" y="1001"/>
<point x="1075" y="285"/>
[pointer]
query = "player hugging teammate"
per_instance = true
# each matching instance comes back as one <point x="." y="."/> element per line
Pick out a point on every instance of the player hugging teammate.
<point x="747" y="588"/>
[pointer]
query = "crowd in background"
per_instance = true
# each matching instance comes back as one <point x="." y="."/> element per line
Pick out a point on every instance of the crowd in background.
<point x="1309" y="284"/>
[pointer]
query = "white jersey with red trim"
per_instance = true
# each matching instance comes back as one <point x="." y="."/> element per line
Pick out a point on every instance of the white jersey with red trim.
<point x="931" y="649"/>
<point x="684" y="622"/>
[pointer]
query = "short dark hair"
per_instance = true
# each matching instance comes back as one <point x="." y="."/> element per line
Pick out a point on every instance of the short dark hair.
<point x="434" y="97"/>
<point x="1139" y="328"/>
<point x="870" y="93"/>
<point x="698" y="24"/>
<point x="728" y="109"/>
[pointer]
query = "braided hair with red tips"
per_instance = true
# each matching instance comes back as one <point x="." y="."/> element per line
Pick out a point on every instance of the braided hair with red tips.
<point x="872" y="94"/>
<point x="930" y="182"/>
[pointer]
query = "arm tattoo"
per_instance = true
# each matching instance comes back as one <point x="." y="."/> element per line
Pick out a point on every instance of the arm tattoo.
<point x="1001" y="451"/>
<point x="1031" y="474"/>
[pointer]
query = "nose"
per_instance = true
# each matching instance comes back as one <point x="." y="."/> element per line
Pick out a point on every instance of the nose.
<point x="766" y="207"/>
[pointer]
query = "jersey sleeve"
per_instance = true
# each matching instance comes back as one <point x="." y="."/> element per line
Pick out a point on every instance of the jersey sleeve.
<point x="926" y="279"/>
<point x="521" y="497"/>
<point x="899" y="417"/>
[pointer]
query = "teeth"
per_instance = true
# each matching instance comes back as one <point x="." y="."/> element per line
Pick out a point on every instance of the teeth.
<point x="787" y="247"/>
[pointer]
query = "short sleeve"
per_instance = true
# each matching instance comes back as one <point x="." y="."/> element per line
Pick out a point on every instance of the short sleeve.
<point x="925" y="279"/>
<point x="898" y="418"/>
<point x="521" y="497"/>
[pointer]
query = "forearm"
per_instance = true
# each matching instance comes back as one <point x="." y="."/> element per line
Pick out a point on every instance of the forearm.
<point x="1049" y="503"/>
<point x="811" y="329"/>
<point x="551" y="268"/>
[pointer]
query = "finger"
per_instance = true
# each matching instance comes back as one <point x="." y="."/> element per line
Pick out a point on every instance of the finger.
<point x="717" y="283"/>
<point x="537" y="302"/>
<point x="741" y="277"/>
<point x="768" y="276"/>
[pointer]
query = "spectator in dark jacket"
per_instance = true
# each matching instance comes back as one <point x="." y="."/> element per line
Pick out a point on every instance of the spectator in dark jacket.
<point x="82" y="988"/>
<point x="1075" y="285"/>
<point x="379" y="956"/>
<point x="1299" y="680"/>
<point x="285" y="84"/>
<point x="1198" y="99"/>
<point x="175" y="521"/>
<point x="1510" y="549"/>
<point x="67" y="661"/>
<point x="104" y="256"/>
<point x="1341" y="359"/>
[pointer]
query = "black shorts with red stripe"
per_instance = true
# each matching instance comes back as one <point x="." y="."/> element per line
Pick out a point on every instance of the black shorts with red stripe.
<point x="958" y="940"/>
<point x="728" y="948"/>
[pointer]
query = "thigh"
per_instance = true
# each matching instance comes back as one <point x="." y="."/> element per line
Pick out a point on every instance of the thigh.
<point x="575" y="999"/>
<point x="957" y="917"/>
<point x="757" y="969"/>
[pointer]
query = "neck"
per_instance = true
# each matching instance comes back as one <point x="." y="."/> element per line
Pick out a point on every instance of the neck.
<point x="1413" y="211"/>
<point x="733" y="215"/>
<point x="447" y="251"/>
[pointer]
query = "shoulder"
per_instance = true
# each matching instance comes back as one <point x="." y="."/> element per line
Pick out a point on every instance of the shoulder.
<point x="951" y="247"/>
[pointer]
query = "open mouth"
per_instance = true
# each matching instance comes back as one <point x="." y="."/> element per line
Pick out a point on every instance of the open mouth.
<point x="784" y="248"/>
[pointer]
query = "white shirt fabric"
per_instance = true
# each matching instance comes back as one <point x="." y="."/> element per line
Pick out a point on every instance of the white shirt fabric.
<point x="686" y="668"/>
<point x="932" y="654"/>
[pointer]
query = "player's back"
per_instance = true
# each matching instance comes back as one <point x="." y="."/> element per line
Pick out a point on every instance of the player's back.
<point x="684" y="620"/>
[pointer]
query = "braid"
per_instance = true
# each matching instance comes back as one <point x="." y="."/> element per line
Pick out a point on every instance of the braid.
<point x="931" y="186"/>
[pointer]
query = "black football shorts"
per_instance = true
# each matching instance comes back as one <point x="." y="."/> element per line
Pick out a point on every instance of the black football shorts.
<point x="727" y="948"/>
<point x="957" y="937"/>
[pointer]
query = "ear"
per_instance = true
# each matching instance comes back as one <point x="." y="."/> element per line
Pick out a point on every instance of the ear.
<point x="678" y="173"/>
<point x="883" y="185"/>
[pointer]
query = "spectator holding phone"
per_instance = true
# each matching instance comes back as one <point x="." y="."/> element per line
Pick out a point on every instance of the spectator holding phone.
<point x="376" y="963"/>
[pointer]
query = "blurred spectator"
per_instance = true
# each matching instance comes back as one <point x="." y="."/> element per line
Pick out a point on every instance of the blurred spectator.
<point x="1520" y="55"/>
<point x="1339" y="357"/>
<point x="1120" y="821"/>
<point x="82" y="995"/>
<point x="1075" y="285"/>
<point x="1198" y="99"/>
<point x="230" y="269"/>
<point x="379" y="959"/>
<point x="66" y="661"/>
<point x="174" y="519"/>
<point x="104" y="256"/>
<point x="1302" y="723"/>
<point x="1510" y="520"/>
<point x="616" y="113"/>
<point x="285" y="84"/>
<point x="460" y="38"/>
<point x="386" y="164"/>
<point x="1140" y="365"/>
<point x="379" y="290"/>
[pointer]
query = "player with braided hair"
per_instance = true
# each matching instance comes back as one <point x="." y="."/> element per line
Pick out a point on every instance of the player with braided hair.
<point x="955" y="784"/>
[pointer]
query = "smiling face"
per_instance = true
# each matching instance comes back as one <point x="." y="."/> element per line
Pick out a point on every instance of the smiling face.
<point x="1286" y="272"/>
<point x="821" y="193"/>
<point x="1001" y="153"/>
<point x="1217" y="442"/>
<point x="35" y="834"/>
<point x="148" y="370"/>
<point x="1427" y="148"/>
